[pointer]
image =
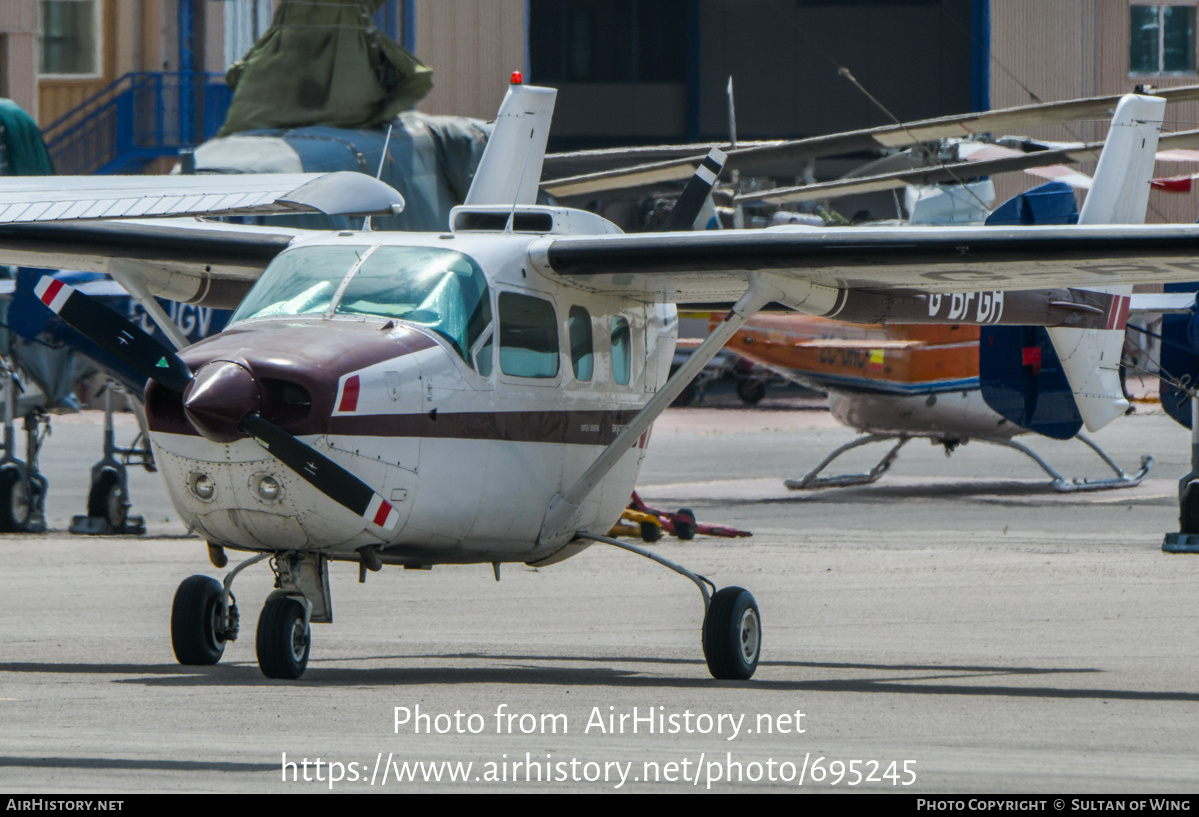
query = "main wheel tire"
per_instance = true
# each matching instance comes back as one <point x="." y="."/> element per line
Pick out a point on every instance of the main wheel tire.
<point x="195" y="621"/>
<point x="106" y="500"/>
<point x="684" y="524"/>
<point x="732" y="634"/>
<point x="16" y="509"/>
<point x="284" y="639"/>
<point x="751" y="391"/>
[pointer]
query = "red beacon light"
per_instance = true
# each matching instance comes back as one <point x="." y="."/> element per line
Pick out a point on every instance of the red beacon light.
<point x="517" y="79"/>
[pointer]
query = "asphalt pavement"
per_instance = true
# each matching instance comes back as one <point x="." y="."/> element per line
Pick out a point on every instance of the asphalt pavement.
<point x="956" y="627"/>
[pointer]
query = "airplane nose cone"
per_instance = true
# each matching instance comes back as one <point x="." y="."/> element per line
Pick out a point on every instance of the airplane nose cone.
<point x="219" y="396"/>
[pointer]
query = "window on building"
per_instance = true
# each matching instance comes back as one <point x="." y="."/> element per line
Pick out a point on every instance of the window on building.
<point x="528" y="336"/>
<point x="245" y="22"/>
<point x="1162" y="39"/>
<point x="608" y="40"/>
<point x="70" y="36"/>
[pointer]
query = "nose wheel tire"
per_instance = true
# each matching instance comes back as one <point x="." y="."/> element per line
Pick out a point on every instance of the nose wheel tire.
<point x="195" y="621"/>
<point x="732" y="634"/>
<point x="284" y="638"/>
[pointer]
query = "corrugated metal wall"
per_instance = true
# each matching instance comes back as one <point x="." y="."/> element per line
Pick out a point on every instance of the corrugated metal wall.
<point x="1067" y="49"/>
<point x="473" y="46"/>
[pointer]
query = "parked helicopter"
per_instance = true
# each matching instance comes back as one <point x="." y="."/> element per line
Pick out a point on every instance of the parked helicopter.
<point x="484" y="395"/>
<point x="895" y="383"/>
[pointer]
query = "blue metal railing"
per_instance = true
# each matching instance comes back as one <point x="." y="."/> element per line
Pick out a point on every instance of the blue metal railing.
<point x="137" y="118"/>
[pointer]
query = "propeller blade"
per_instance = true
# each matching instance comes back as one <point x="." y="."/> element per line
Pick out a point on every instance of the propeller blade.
<point x="321" y="472"/>
<point x="108" y="330"/>
<point x="686" y="209"/>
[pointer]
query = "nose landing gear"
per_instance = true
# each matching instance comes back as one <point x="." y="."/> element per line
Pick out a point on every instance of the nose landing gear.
<point x="204" y="616"/>
<point x="108" y="500"/>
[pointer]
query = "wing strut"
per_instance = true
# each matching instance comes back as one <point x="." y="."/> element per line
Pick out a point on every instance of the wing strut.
<point x="134" y="286"/>
<point x="558" y="525"/>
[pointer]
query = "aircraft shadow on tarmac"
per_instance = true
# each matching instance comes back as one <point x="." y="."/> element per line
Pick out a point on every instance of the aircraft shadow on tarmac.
<point x="538" y="670"/>
<point x="114" y="764"/>
<point x="1014" y="490"/>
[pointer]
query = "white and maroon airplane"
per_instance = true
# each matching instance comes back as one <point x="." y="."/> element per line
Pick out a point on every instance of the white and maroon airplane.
<point x="481" y="395"/>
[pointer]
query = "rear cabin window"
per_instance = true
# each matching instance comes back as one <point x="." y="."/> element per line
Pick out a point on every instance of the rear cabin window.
<point x="622" y="350"/>
<point x="582" y="358"/>
<point x="528" y="336"/>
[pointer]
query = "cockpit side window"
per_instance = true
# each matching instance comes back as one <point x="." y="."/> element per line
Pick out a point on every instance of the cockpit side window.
<point x="298" y="282"/>
<point x="528" y="336"/>
<point x="441" y="289"/>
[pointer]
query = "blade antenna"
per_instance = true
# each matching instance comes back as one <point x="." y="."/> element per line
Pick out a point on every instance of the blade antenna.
<point x="366" y="222"/>
<point x="844" y="72"/>
<point x="515" y="201"/>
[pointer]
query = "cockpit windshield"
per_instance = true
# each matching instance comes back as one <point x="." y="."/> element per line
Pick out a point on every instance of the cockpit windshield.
<point x="438" y="288"/>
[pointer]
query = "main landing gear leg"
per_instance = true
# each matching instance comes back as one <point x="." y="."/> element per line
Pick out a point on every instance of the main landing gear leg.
<point x="108" y="500"/>
<point x="1187" y="538"/>
<point x="204" y="616"/>
<point x="22" y="488"/>
<point x="732" y="632"/>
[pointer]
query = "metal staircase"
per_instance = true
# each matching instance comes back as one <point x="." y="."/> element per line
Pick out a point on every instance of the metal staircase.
<point x="138" y="118"/>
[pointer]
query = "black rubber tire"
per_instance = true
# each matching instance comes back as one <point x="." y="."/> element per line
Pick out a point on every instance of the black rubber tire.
<point x="106" y="501"/>
<point x="283" y="640"/>
<point x="12" y="519"/>
<point x="1188" y="509"/>
<point x="683" y="528"/>
<point x="194" y="621"/>
<point x="732" y="635"/>
<point x="751" y="391"/>
<point x="650" y="532"/>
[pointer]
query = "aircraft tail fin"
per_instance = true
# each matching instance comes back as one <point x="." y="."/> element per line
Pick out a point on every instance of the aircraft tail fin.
<point x="1119" y="195"/>
<point x="510" y="170"/>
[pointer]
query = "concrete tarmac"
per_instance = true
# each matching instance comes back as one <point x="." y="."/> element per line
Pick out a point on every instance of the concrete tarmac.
<point x="957" y="627"/>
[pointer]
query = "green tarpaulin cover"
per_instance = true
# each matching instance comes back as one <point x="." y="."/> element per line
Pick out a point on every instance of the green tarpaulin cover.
<point x="24" y="151"/>
<point x="323" y="62"/>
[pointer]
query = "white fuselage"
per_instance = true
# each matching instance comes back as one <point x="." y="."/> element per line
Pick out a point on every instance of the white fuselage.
<point x="470" y="454"/>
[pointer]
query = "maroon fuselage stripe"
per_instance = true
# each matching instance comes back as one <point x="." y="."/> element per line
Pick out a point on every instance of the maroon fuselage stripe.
<point x="570" y="427"/>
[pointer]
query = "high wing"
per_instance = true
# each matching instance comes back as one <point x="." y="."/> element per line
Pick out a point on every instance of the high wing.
<point x="954" y="172"/>
<point x="66" y="198"/>
<point x="66" y="222"/>
<point x="806" y="263"/>
<point x="199" y="262"/>
<point x="870" y="139"/>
